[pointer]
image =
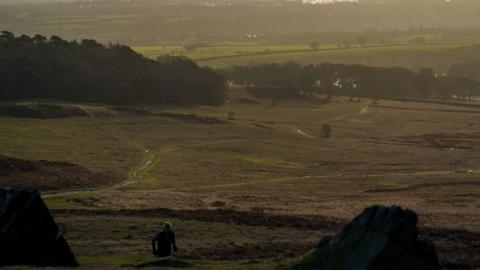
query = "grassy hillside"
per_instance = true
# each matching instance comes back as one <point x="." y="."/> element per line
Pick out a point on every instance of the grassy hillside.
<point x="263" y="187"/>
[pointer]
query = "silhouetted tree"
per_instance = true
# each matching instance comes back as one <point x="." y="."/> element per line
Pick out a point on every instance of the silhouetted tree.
<point x="465" y="89"/>
<point x="470" y="70"/>
<point x="314" y="45"/>
<point x="362" y="41"/>
<point x="347" y="43"/>
<point x="231" y="115"/>
<point x="425" y="82"/>
<point x="326" y="131"/>
<point x="418" y="40"/>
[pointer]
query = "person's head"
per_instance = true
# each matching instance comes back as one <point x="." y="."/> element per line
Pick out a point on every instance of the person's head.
<point x="167" y="227"/>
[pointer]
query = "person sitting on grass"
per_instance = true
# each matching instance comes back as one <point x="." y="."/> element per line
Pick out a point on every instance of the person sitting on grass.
<point x="163" y="242"/>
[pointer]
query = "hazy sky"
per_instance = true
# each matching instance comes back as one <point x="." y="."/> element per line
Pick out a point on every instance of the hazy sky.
<point x="327" y="1"/>
<point x="304" y="1"/>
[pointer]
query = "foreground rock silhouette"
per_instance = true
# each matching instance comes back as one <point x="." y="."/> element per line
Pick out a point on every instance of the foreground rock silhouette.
<point x="381" y="238"/>
<point x="28" y="233"/>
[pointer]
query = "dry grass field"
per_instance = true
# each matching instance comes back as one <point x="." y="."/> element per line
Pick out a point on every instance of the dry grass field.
<point x="265" y="187"/>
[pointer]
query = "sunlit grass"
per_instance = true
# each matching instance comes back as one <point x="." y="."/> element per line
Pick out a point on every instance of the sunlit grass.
<point x="222" y="50"/>
<point x="374" y="55"/>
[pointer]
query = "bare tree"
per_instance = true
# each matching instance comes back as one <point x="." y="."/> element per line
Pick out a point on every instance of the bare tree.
<point x="362" y="41"/>
<point x="326" y="131"/>
<point x="314" y="45"/>
<point x="231" y="115"/>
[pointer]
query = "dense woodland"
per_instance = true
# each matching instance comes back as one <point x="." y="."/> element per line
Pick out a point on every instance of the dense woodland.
<point x="294" y="80"/>
<point x="37" y="67"/>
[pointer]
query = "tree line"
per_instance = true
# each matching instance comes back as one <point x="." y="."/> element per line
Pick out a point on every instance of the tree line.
<point x="470" y="69"/>
<point x="87" y="71"/>
<point x="349" y="80"/>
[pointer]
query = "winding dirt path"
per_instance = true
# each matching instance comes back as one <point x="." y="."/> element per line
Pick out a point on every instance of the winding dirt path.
<point x="134" y="175"/>
<point x="363" y="110"/>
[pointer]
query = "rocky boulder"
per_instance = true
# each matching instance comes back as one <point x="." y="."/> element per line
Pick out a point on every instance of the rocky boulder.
<point x="28" y="233"/>
<point x="380" y="238"/>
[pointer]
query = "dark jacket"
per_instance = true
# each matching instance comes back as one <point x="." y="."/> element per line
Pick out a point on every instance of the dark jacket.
<point x="162" y="244"/>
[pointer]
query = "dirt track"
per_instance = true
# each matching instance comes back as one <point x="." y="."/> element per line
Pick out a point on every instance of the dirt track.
<point x="134" y="175"/>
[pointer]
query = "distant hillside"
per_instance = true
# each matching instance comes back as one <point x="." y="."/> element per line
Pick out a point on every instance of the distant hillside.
<point x="280" y="21"/>
<point x="28" y="1"/>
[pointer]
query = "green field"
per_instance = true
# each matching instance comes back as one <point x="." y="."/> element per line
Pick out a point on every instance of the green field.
<point x="221" y="50"/>
<point x="438" y="56"/>
<point x="264" y="188"/>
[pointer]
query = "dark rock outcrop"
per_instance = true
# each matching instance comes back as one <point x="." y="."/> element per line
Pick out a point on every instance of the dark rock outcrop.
<point x="28" y="233"/>
<point x="381" y="238"/>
